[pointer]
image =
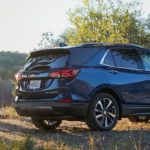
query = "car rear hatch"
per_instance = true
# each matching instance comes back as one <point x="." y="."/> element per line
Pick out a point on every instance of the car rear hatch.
<point x="34" y="78"/>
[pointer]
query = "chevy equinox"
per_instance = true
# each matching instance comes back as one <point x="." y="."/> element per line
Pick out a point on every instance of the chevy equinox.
<point x="98" y="83"/>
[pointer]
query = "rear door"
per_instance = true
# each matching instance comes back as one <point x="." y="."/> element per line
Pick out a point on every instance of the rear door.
<point x="127" y="76"/>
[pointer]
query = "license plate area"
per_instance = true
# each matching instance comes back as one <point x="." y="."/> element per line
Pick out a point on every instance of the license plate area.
<point x="35" y="84"/>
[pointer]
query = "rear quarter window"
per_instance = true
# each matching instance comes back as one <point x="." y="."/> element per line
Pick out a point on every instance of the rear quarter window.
<point x="108" y="60"/>
<point x="80" y="56"/>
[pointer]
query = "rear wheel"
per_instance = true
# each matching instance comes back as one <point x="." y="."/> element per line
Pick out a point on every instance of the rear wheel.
<point x="103" y="112"/>
<point x="45" y="124"/>
<point x="139" y="118"/>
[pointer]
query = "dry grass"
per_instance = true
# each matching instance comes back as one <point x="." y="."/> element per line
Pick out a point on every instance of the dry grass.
<point x="20" y="134"/>
<point x="8" y="112"/>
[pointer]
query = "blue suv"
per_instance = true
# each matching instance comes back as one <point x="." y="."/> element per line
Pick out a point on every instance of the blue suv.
<point x="98" y="83"/>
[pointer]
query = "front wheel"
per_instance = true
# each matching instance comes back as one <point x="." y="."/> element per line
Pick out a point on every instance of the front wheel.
<point x="103" y="112"/>
<point x="45" y="124"/>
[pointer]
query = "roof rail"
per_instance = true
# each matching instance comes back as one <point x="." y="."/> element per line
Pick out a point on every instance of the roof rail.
<point x="107" y="44"/>
<point x="93" y="44"/>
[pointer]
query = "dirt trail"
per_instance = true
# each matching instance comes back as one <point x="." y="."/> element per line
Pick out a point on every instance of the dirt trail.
<point x="77" y="134"/>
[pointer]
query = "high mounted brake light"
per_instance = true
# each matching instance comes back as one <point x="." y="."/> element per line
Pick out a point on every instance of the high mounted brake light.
<point x="64" y="73"/>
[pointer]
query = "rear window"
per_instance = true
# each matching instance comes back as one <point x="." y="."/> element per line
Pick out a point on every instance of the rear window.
<point x="45" y="62"/>
<point x="80" y="56"/>
<point x="76" y="56"/>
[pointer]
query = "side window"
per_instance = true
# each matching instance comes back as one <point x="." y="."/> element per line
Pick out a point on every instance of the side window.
<point x="80" y="56"/>
<point x="145" y="56"/>
<point x="126" y="58"/>
<point x="108" y="60"/>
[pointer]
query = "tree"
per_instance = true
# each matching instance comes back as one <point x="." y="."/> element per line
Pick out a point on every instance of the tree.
<point x="107" y="21"/>
<point x="103" y="21"/>
<point x="49" y="40"/>
<point x="147" y="36"/>
<point x="148" y="23"/>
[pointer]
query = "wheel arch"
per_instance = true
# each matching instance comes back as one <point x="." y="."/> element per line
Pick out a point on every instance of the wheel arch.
<point x="113" y="93"/>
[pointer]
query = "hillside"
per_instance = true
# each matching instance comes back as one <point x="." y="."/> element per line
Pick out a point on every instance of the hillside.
<point x="10" y="63"/>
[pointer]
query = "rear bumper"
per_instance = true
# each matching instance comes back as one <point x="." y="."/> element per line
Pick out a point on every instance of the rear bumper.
<point x="51" y="109"/>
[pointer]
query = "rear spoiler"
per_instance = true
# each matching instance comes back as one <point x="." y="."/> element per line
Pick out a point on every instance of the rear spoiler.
<point x="53" y="51"/>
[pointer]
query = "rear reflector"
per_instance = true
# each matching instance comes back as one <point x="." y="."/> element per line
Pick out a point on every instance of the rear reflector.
<point x="64" y="73"/>
<point x="65" y="101"/>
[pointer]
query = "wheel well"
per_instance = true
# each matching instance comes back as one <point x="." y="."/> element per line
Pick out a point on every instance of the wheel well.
<point x="115" y="95"/>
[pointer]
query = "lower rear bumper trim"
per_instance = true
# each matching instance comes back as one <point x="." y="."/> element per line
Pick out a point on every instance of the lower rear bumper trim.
<point x="51" y="109"/>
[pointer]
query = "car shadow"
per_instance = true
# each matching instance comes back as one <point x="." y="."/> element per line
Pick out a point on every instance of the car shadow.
<point x="77" y="136"/>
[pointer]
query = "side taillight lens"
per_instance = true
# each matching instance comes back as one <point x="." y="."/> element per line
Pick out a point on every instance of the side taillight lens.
<point x="18" y="77"/>
<point x="64" y="73"/>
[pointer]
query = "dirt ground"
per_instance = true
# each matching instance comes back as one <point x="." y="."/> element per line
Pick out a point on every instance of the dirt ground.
<point x="77" y="135"/>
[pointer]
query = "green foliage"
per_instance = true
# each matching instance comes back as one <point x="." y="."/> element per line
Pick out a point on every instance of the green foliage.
<point x="10" y="63"/>
<point x="107" y="21"/>
<point x="112" y="21"/>
<point x="147" y="28"/>
<point x="148" y="23"/>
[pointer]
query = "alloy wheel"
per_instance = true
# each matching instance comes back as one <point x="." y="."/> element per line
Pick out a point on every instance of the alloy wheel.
<point x="105" y="112"/>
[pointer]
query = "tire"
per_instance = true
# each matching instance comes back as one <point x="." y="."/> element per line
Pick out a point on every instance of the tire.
<point x="103" y="106"/>
<point x="139" y="118"/>
<point x="45" y="124"/>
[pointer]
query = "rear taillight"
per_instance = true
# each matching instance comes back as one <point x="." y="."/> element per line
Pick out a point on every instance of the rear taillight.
<point x="18" y="77"/>
<point x="64" y="73"/>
